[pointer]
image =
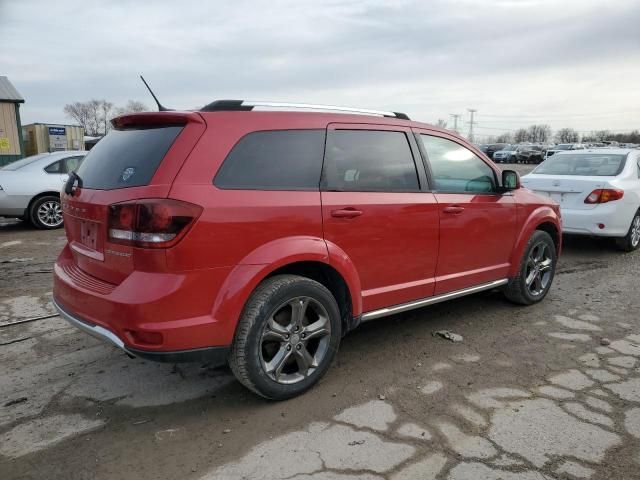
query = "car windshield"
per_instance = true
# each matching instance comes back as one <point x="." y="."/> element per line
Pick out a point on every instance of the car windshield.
<point x="563" y="146"/>
<point x="598" y="165"/>
<point x="24" y="162"/>
<point x="509" y="148"/>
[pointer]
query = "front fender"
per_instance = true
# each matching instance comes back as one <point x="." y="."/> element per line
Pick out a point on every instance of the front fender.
<point x="266" y="259"/>
<point x="543" y="214"/>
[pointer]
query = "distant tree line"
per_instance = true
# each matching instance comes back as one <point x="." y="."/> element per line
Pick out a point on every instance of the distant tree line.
<point x="95" y="115"/>
<point x="544" y="134"/>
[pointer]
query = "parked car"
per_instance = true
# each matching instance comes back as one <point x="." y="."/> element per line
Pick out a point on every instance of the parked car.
<point x="508" y="154"/>
<point x="492" y="148"/>
<point x="598" y="191"/>
<point x="563" y="147"/>
<point x="261" y="238"/>
<point x="30" y="188"/>
<point x="529" y="154"/>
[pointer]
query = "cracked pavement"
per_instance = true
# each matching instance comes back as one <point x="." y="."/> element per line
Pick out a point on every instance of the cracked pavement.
<point x="542" y="392"/>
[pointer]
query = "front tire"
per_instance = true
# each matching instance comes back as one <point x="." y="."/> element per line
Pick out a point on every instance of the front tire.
<point x="287" y="337"/>
<point x="537" y="269"/>
<point x="631" y="241"/>
<point x="46" y="213"/>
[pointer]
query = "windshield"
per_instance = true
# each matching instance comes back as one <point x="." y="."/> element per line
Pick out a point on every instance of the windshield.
<point x="509" y="148"/>
<point x="590" y="165"/>
<point x="563" y="146"/>
<point x="24" y="162"/>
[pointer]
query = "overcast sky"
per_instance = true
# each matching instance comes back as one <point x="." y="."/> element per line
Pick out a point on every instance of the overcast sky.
<point x="572" y="63"/>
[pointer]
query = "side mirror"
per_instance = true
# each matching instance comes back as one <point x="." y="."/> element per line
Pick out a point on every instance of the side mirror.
<point x="510" y="180"/>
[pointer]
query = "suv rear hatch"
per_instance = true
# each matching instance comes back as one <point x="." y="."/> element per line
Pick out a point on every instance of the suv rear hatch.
<point x="125" y="177"/>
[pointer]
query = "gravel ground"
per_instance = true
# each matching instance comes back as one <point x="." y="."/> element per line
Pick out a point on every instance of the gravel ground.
<point x="548" y="391"/>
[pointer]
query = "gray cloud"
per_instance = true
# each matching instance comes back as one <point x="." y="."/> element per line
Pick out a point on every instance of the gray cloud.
<point x="573" y="63"/>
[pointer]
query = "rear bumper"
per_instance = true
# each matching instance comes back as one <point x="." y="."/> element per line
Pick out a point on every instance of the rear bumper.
<point x="149" y="314"/>
<point x="211" y="355"/>
<point x="615" y="218"/>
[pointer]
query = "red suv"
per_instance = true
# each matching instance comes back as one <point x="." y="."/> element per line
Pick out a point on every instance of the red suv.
<point x="262" y="237"/>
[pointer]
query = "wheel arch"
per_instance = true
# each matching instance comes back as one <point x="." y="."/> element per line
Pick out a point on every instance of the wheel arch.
<point x="543" y="218"/>
<point x="310" y="257"/>
<point x="37" y="196"/>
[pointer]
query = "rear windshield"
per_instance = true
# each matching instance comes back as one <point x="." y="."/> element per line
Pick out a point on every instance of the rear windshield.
<point x="591" y="165"/>
<point x="126" y="158"/>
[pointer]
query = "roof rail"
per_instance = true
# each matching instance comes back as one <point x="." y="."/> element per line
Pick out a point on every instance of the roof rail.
<point x="247" y="105"/>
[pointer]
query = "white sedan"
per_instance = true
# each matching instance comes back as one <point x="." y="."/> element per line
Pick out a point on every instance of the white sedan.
<point x="598" y="192"/>
<point x="30" y="188"/>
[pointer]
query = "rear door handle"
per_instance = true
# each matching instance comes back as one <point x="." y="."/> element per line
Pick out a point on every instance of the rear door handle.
<point x="453" y="209"/>
<point x="348" y="212"/>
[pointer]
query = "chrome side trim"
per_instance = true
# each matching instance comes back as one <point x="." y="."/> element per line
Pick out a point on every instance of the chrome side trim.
<point x="403" y="307"/>
<point x="249" y="103"/>
<point x="93" y="330"/>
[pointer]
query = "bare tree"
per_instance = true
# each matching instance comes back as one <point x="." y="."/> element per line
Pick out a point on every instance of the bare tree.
<point x="132" y="106"/>
<point x="93" y="115"/>
<point x="539" y="133"/>
<point x="441" y="123"/>
<point x="504" y="138"/>
<point x="567" y="135"/>
<point x="521" y="135"/>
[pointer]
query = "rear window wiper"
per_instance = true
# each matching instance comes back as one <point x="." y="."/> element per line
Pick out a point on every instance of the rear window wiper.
<point x="71" y="182"/>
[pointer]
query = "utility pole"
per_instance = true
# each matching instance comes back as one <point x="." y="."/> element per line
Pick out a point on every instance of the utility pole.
<point x="455" y="120"/>
<point x="471" y="122"/>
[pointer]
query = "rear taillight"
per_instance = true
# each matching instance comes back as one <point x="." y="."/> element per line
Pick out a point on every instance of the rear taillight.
<point x="151" y="223"/>
<point x="604" y="195"/>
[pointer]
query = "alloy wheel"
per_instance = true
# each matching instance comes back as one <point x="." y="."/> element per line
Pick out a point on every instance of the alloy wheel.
<point x="295" y="340"/>
<point x="635" y="231"/>
<point x="50" y="214"/>
<point x="539" y="269"/>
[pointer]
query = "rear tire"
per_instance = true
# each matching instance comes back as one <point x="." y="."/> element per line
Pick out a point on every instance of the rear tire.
<point x="46" y="213"/>
<point x="536" y="272"/>
<point x="287" y="337"/>
<point x="631" y="241"/>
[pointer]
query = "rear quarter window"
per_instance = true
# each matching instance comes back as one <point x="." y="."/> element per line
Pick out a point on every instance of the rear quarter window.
<point x="126" y="158"/>
<point x="274" y="160"/>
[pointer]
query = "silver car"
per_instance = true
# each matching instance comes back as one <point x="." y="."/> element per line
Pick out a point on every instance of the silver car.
<point x="30" y="188"/>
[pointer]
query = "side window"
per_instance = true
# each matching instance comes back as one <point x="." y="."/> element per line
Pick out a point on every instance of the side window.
<point x="638" y="166"/>
<point x="369" y="161"/>
<point x="274" y="160"/>
<point x="456" y="168"/>
<point x="72" y="163"/>
<point x="55" y="167"/>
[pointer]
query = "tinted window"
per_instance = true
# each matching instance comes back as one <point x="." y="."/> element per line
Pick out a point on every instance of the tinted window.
<point x="456" y="168"/>
<point x="274" y="160"/>
<point x="55" y="167"/>
<point x="369" y="161"/>
<point x="126" y="158"/>
<point x="599" y="165"/>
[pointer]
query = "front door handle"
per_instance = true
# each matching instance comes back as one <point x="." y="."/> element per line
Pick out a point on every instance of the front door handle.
<point x="348" y="212"/>
<point x="453" y="209"/>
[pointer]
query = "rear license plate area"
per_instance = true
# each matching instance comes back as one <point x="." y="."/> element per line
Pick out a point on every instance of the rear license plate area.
<point x="89" y="234"/>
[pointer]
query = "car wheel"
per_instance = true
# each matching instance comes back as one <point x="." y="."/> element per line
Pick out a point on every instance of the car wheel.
<point x="537" y="269"/>
<point x="46" y="212"/>
<point x="631" y="241"/>
<point x="287" y="337"/>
